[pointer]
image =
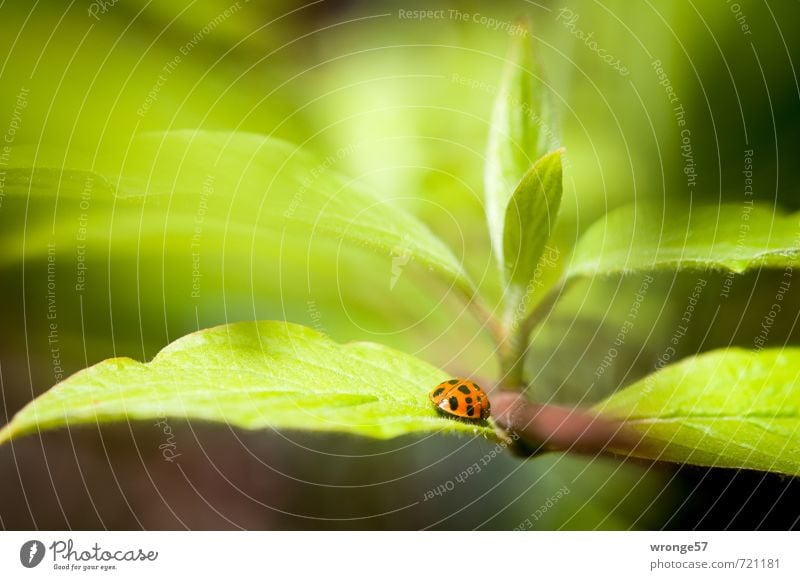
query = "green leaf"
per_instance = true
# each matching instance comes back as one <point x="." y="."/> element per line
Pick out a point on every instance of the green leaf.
<point x="729" y="237"/>
<point x="530" y="218"/>
<point x="156" y="266"/>
<point x="254" y="375"/>
<point x="726" y="408"/>
<point x="520" y="132"/>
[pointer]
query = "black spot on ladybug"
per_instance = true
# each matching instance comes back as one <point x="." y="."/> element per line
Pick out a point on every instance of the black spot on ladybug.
<point x="453" y="403"/>
<point x="468" y="399"/>
<point x="476" y="388"/>
<point x="438" y="392"/>
<point x="464" y="389"/>
<point x="452" y="382"/>
<point x="470" y="410"/>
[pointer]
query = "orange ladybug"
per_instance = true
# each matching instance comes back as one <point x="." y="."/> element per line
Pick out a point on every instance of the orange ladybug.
<point x="461" y="398"/>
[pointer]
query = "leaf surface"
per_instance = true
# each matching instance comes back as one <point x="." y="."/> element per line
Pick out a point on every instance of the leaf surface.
<point x="728" y="237"/>
<point x="222" y="184"/>
<point x="531" y="218"/>
<point x="725" y="408"/>
<point x="520" y="132"/>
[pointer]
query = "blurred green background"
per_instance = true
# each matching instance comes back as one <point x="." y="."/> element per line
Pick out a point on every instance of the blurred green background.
<point x="403" y="105"/>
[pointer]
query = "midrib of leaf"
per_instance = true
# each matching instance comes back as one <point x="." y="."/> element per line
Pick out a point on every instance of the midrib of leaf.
<point x="711" y="417"/>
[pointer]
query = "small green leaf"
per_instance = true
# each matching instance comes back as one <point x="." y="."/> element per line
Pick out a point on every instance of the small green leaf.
<point x="726" y="408"/>
<point x="729" y="237"/>
<point x="520" y="133"/>
<point x="254" y="375"/>
<point x="531" y="217"/>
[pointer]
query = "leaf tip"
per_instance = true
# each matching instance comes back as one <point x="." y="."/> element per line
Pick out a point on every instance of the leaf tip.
<point x="558" y="152"/>
<point x="6" y="433"/>
<point x="524" y="22"/>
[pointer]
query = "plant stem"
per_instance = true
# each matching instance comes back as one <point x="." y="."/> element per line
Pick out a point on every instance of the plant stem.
<point x="512" y="337"/>
<point x="517" y="340"/>
<point x="512" y="362"/>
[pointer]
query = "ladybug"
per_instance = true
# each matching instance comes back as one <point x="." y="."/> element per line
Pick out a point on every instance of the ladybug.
<point x="461" y="398"/>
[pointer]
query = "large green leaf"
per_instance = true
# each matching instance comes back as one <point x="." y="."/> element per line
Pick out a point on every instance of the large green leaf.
<point x="531" y="217"/>
<point x="726" y="408"/>
<point x="520" y="131"/>
<point x="169" y="244"/>
<point x="239" y="183"/>
<point x="729" y="237"/>
<point x="254" y="375"/>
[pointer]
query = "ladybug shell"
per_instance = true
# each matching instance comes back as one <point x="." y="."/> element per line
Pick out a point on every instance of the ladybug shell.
<point x="461" y="398"/>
